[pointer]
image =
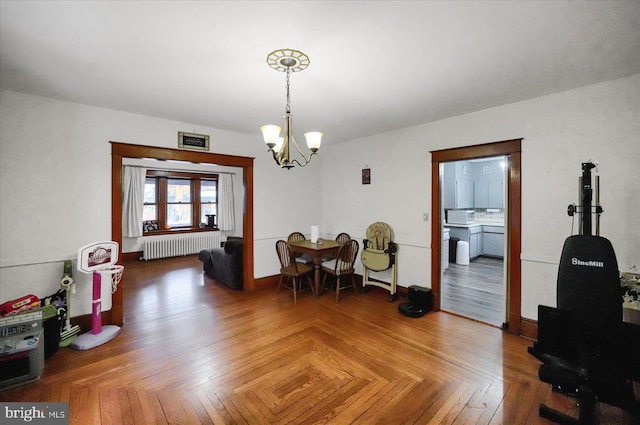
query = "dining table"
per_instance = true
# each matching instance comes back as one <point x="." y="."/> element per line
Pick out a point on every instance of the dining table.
<point x="316" y="251"/>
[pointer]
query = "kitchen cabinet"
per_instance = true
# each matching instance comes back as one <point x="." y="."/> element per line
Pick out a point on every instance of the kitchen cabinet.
<point x="493" y="241"/>
<point x="461" y="232"/>
<point x="481" y="194"/>
<point x="471" y="234"/>
<point x="448" y="193"/>
<point x="482" y="239"/>
<point x="495" y="194"/>
<point x="464" y="194"/>
<point x="488" y="193"/>
<point x="488" y="182"/>
<point x="444" y="251"/>
<point x="475" y="241"/>
<point x="457" y="186"/>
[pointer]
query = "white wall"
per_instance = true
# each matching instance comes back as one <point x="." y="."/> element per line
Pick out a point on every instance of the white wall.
<point x="55" y="182"/>
<point x="55" y="187"/>
<point x="560" y="131"/>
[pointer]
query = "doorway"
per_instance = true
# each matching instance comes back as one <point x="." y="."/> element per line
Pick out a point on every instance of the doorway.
<point x="123" y="150"/>
<point x="512" y="221"/>
<point x="473" y="204"/>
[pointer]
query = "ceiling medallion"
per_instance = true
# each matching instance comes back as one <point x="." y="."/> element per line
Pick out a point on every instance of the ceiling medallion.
<point x="288" y="59"/>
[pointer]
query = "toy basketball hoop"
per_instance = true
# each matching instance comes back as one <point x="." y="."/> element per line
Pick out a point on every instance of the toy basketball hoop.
<point x="97" y="256"/>
<point x="100" y="260"/>
<point x="114" y="273"/>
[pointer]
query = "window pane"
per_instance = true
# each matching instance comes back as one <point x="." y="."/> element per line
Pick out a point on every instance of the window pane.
<point x="207" y="209"/>
<point x="178" y="215"/>
<point x="208" y="191"/>
<point x="150" y="191"/>
<point x="149" y="212"/>
<point x="178" y="190"/>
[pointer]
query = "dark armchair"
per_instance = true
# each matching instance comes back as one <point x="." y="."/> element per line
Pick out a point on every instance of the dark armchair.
<point x="224" y="264"/>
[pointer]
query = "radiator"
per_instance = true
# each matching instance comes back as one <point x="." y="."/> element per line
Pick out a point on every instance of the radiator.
<point x="176" y="245"/>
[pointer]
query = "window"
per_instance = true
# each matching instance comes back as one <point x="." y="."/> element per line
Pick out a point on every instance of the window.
<point x="175" y="201"/>
<point x="208" y="200"/>
<point x="179" y="204"/>
<point x="150" y="211"/>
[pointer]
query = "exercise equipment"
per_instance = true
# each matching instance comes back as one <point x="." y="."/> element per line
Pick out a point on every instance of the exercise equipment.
<point x="587" y="351"/>
<point x="100" y="260"/>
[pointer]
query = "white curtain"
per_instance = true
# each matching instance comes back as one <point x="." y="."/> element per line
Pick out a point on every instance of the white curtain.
<point x="226" y="214"/>
<point x="132" y="200"/>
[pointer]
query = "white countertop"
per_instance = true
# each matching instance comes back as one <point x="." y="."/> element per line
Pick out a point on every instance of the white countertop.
<point x="477" y="223"/>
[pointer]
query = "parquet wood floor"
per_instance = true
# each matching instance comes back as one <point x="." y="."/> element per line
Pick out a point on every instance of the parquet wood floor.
<point x="195" y="352"/>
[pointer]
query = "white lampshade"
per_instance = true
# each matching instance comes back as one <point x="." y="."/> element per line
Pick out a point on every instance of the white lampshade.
<point x="314" y="139"/>
<point x="271" y="134"/>
<point x="278" y="145"/>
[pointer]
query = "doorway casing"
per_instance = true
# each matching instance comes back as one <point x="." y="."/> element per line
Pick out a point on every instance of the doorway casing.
<point x="511" y="149"/>
<point x="124" y="150"/>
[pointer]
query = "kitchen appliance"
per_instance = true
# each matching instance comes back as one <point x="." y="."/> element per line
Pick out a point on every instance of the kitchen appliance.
<point x="460" y="216"/>
<point x="22" y="349"/>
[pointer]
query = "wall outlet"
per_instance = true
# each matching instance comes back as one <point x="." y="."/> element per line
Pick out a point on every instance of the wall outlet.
<point x="425" y="216"/>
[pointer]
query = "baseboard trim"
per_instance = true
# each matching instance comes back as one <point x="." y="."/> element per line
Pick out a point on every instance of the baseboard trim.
<point x="131" y="256"/>
<point x="266" y="282"/>
<point x="529" y="328"/>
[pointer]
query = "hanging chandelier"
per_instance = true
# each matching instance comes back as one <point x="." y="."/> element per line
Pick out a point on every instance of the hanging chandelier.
<point x="288" y="61"/>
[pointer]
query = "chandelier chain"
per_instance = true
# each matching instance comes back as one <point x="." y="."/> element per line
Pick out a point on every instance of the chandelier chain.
<point x="288" y="108"/>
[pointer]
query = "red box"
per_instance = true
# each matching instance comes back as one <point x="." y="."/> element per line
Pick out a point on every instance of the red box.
<point x="28" y="302"/>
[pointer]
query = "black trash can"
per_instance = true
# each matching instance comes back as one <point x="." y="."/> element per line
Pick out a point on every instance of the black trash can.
<point x="52" y="324"/>
<point x="453" y="249"/>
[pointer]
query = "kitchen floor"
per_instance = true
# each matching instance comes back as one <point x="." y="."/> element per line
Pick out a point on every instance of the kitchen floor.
<point x="475" y="291"/>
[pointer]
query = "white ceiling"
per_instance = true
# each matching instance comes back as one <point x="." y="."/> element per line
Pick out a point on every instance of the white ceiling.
<point x="375" y="66"/>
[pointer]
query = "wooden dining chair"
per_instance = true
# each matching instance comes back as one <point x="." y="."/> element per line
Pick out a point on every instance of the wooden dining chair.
<point x="296" y="237"/>
<point x="342" y="267"/>
<point x="300" y="257"/>
<point x="341" y="238"/>
<point x="292" y="270"/>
